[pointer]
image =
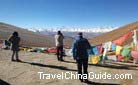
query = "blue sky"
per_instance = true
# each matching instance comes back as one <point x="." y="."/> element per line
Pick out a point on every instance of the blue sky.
<point x="68" y="13"/>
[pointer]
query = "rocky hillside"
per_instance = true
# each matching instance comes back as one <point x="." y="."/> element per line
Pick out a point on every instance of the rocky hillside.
<point x="114" y="34"/>
<point x="29" y="38"/>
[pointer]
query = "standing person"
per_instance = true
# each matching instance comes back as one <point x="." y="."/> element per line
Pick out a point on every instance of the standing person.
<point x="15" y="40"/>
<point x="80" y="54"/>
<point x="59" y="44"/>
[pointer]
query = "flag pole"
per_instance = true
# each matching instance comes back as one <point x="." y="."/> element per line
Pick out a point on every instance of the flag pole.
<point x="135" y="44"/>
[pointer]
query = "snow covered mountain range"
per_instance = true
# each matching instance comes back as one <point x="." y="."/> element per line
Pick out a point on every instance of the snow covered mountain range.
<point x="71" y="32"/>
<point x="67" y="29"/>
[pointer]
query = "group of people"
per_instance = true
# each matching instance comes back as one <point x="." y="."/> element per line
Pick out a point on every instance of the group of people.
<point x="79" y="49"/>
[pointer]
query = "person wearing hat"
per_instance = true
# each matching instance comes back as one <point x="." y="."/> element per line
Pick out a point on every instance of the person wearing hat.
<point x="15" y="40"/>
<point x="80" y="54"/>
<point x="59" y="45"/>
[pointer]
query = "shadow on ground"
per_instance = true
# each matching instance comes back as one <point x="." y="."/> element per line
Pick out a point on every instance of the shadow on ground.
<point x="3" y="82"/>
<point x="125" y="67"/>
<point x="109" y="65"/>
<point x="49" y="66"/>
<point x="95" y="83"/>
<point x="63" y="68"/>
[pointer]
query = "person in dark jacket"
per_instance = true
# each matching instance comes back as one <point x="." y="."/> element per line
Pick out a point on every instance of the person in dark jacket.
<point x="15" y="40"/>
<point x="80" y="54"/>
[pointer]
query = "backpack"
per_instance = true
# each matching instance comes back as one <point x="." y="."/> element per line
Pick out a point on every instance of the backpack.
<point x="81" y="49"/>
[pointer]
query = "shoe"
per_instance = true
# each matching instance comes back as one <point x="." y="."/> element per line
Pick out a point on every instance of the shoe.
<point x="13" y="60"/>
<point x="86" y="80"/>
<point x="81" y="80"/>
<point x="61" y="60"/>
<point x="18" y="60"/>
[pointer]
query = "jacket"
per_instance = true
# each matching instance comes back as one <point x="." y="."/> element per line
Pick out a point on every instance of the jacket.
<point x="15" y="40"/>
<point x="59" y="40"/>
<point x="80" y="47"/>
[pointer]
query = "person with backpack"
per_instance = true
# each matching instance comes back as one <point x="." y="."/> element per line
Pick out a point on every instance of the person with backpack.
<point x="15" y="40"/>
<point x="80" y="54"/>
<point x="59" y="45"/>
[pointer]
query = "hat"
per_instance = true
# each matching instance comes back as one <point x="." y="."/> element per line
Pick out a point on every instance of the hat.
<point x="80" y="33"/>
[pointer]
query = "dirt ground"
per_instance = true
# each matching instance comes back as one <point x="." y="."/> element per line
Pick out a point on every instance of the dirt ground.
<point x="26" y="72"/>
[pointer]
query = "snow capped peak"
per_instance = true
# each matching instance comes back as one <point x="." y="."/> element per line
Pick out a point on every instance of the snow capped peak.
<point x="36" y="30"/>
<point x="31" y="29"/>
<point x="67" y="29"/>
<point x="41" y="29"/>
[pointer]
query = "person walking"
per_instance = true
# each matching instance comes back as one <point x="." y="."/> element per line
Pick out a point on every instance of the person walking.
<point x="59" y="45"/>
<point x="80" y="54"/>
<point x="15" y="40"/>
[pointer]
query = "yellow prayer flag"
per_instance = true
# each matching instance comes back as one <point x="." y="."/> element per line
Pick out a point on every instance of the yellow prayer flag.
<point x="118" y="49"/>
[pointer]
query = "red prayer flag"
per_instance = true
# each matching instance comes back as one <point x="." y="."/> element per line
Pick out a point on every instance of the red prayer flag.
<point x="100" y="48"/>
<point x="134" y="54"/>
<point x="119" y="58"/>
<point x="122" y="39"/>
